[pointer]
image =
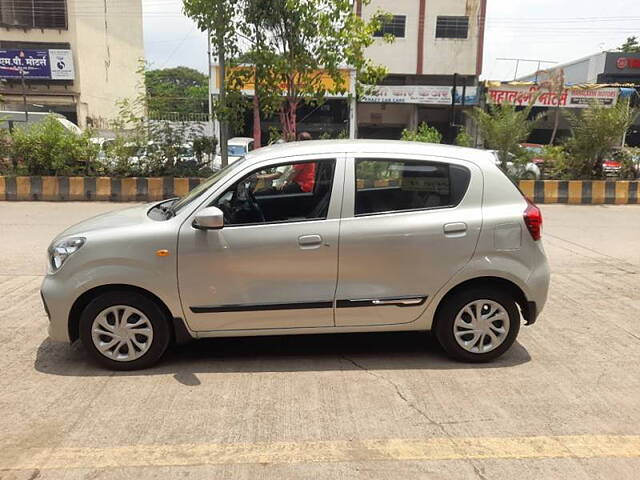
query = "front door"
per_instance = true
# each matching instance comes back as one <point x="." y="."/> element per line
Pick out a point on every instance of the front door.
<point x="274" y="263"/>
<point x="410" y="224"/>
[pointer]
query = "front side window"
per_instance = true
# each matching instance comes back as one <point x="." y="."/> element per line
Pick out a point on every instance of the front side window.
<point x="452" y="27"/>
<point x="393" y="26"/>
<point x="384" y="186"/>
<point x="289" y="192"/>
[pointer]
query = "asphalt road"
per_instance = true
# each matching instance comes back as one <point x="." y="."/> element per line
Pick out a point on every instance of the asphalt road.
<point x="563" y="403"/>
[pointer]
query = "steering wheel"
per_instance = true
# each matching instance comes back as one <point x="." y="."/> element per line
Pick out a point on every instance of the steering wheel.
<point x="244" y="206"/>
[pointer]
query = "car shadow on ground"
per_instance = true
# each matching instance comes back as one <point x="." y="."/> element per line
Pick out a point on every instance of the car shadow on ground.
<point x="291" y="353"/>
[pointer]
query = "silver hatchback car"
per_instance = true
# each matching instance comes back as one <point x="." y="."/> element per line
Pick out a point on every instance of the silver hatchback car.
<point x="311" y="237"/>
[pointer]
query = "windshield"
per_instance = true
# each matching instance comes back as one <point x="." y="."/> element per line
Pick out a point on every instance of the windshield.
<point x="204" y="186"/>
<point x="534" y="150"/>
<point x="236" y="150"/>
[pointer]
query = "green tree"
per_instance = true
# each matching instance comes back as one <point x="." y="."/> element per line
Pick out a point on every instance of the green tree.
<point x="424" y="133"/>
<point x="310" y="40"/>
<point x="221" y="19"/>
<point x="595" y="132"/>
<point x="48" y="148"/>
<point x="179" y="89"/>
<point x="464" y="139"/>
<point x="554" y="83"/>
<point x="632" y="45"/>
<point x="504" y="128"/>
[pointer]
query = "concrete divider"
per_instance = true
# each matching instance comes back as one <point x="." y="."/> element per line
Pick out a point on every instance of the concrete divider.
<point x="138" y="189"/>
<point x="582" y="192"/>
<point x="130" y="189"/>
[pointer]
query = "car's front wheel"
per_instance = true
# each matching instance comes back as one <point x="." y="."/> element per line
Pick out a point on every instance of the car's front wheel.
<point x="124" y="330"/>
<point x="477" y="325"/>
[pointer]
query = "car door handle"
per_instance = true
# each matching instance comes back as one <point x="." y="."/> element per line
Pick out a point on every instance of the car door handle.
<point x="309" y="241"/>
<point x="455" y="228"/>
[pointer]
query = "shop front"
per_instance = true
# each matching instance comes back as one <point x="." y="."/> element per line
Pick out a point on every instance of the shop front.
<point x="386" y="110"/>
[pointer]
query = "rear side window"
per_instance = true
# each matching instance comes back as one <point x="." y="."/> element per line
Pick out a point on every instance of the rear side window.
<point x="384" y="186"/>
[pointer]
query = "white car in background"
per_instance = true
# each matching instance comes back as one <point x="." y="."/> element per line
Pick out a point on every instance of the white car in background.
<point x="529" y="171"/>
<point x="237" y="147"/>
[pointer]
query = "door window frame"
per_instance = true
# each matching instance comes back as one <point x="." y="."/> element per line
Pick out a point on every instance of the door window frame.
<point x="335" y="202"/>
<point x="350" y="181"/>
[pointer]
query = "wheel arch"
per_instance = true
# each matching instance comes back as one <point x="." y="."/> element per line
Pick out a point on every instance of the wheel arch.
<point x="180" y="333"/>
<point x="489" y="281"/>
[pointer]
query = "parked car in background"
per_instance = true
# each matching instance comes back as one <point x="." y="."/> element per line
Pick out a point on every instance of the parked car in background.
<point x="430" y="237"/>
<point x="237" y="148"/>
<point x="536" y="151"/>
<point x="611" y="167"/>
<point x="528" y="171"/>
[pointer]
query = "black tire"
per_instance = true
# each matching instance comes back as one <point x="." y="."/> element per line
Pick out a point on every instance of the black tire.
<point x="446" y="315"/>
<point x="155" y="315"/>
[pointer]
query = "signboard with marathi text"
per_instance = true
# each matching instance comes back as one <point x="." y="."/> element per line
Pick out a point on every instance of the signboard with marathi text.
<point x="523" y="95"/>
<point x="419" y="94"/>
<point x="37" y="64"/>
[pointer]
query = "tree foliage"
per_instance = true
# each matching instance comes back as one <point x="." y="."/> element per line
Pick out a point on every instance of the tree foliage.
<point x="179" y="89"/>
<point x="424" y="133"/>
<point x="594" y="133"/>
<point x="298" y="51"/>
<point x="632" y="45"/>
<point x="504" y="128"/>
<point x="48" y="148"/>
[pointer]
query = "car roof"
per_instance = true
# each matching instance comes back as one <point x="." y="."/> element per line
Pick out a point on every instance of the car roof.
<point x="240" y="141"/>
<point x="313" y="147"/>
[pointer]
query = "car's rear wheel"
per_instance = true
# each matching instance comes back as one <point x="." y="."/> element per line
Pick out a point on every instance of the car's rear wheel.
<point x="124" y="330"/>
<point x="477" y="325"/>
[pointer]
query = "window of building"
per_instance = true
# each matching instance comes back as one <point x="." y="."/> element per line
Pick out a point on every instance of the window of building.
<point x="290" y="192"/>
<point x="394" y="26"/>
<point x="33" y="13"/>
<point x="452" y="27"/>
<point x="385" y="186"/>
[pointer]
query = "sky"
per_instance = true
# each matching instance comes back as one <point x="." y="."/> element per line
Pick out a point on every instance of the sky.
<point x="550" y="30"/>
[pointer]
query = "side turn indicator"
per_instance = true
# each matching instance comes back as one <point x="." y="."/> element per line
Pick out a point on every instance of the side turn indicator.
<point x="162" y="253"/>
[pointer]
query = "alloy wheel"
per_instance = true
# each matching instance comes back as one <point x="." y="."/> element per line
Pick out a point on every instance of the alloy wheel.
<point x="481" y="326"/>
<point x="122" y="333"/>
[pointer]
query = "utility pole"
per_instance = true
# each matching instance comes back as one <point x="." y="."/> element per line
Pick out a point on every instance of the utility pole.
<point x="210" y="122"/>
<point x="24" y="89"/>
<point x="224" y="124"/>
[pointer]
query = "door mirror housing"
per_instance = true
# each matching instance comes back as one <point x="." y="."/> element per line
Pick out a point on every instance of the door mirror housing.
<point x="210" y="218"/>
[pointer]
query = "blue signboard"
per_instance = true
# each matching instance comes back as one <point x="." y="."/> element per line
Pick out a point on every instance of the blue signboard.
<point x="37" y="64"/>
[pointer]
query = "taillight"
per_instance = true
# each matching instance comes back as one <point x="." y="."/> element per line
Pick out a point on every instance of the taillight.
<point x="533" y="220"/>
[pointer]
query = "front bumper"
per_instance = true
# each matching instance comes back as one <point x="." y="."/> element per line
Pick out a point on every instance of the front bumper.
<point x="57" y="303"/>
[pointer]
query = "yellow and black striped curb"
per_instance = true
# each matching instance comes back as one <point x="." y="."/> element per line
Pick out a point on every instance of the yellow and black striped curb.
<point x="112" y="189"/>
<point x="132" y="189"/>
<point x="582" y="192"/>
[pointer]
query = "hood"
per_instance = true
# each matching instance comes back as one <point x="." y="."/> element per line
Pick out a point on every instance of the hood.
<point x="110" y="220"/>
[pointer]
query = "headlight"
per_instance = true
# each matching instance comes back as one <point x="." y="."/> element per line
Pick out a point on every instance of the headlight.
<point x="59" y="252"/>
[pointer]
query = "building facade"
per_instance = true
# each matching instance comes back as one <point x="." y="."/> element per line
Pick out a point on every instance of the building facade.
<point x="608" y="70"/>
<point x="438" y="44"/>
<point x="601" y="68"/>
<point x="76" y="57"/>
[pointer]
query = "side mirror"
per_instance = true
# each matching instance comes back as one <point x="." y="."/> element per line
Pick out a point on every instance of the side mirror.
<point x="210" y="218"/>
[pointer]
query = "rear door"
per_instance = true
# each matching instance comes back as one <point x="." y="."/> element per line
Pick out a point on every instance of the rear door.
<point x="409" y="224"/>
